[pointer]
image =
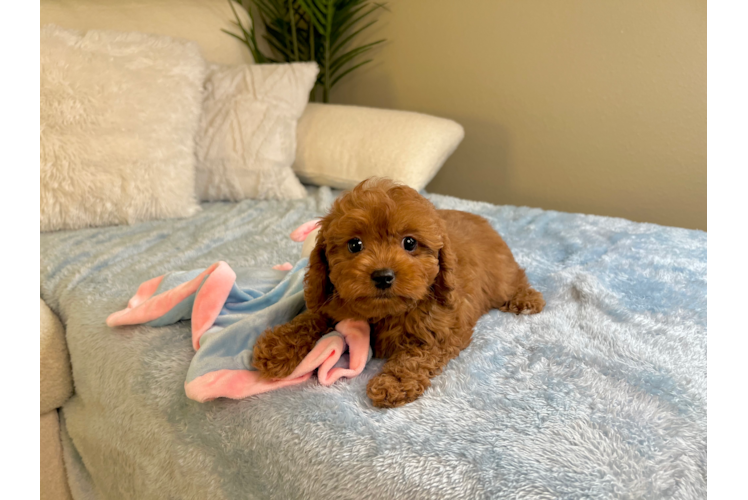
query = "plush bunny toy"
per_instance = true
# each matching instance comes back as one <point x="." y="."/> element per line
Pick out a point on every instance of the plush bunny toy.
<point x="229" y="309"/>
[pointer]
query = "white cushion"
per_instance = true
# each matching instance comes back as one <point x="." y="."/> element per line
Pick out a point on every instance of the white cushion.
<point x="247" y="138"/>
<point x="197" y="20"/>
<point x="119" y="113"/>
<point x="55" y="378"/>
<point x="340" y="146"/>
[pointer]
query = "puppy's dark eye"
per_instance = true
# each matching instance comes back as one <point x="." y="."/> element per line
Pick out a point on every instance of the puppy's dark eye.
<point x="409" y="243"/>
<point x="355" y="245"/>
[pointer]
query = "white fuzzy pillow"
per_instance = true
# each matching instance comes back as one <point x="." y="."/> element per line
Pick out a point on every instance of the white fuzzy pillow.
<point x="340" y="146"/>
<point x="247" y="139"/>
<point x="119" y="112"/>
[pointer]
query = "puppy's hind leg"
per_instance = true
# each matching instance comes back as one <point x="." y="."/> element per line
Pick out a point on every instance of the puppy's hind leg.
<point x="525" y="300"/>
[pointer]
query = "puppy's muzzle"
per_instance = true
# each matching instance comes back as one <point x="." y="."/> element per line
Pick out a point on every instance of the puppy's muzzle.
<point x="383" y="278"/>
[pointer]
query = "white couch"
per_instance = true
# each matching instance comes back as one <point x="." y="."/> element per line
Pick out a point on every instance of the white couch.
<point x="56" y="387"/>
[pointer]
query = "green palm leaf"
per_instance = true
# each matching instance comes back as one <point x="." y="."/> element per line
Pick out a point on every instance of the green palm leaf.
<point x="349" y="70"/>
<point x="348" y="56"/>
<point x="341" y="44"/>
<point x="345" y="26"/>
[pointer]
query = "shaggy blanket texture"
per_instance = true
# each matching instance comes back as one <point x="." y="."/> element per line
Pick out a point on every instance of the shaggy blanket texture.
<point x="602" y="395"/>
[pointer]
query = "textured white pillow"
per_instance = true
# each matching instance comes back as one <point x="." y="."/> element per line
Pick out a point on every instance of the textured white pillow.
<point x="119" y="112"/>
<point x="247" y="139"/>
<point x="340" y="146"/>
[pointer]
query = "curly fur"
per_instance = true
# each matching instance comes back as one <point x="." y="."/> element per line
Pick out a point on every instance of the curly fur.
<point x="460" y="269"/>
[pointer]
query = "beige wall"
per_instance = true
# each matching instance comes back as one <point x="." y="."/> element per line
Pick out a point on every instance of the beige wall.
<point x="717" y="91"/>
<point x="575" y="105"/>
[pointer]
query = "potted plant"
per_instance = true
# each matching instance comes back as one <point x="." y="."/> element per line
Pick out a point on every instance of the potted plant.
<point x="310" y="30"/>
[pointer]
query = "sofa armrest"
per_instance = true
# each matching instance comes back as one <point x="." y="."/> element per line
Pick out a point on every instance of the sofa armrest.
<point x="56" y="376"/>
<point x="53" y="481"/>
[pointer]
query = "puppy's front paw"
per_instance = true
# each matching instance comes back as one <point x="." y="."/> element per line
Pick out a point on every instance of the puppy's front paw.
<point x="388" y="391"/>
<point x="274" y="356"/>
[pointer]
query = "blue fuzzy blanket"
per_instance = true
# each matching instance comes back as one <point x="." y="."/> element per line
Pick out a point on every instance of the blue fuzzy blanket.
<point x="602" y="395"/>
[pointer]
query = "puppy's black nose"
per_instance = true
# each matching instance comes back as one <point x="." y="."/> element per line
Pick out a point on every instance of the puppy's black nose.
<point x="383" y="278"/>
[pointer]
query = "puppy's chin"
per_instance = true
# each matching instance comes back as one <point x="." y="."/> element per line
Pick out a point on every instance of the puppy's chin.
<point x="380" y="306"/>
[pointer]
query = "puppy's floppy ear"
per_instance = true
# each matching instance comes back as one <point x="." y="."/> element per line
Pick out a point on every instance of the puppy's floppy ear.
<point x="317" y="285"/>
<point x="445" y="282"/>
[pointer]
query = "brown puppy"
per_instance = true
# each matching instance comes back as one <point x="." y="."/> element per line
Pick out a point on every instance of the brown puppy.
<point x="421" y="277"/>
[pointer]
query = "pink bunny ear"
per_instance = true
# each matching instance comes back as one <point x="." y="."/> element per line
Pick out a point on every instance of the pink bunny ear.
<point x="300" y="233"/>
<point x="286" y="266"/>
